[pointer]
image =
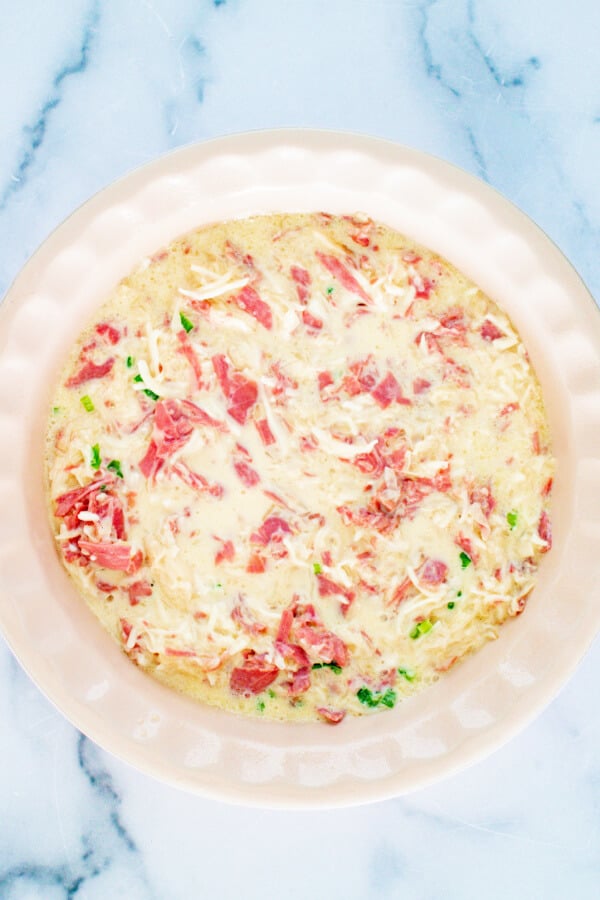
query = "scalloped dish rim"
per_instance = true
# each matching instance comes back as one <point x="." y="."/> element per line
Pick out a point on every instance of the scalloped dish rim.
<point x="476" y="707"/>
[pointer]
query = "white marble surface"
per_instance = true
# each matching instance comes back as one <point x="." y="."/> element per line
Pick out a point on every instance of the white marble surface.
<point x="509" y="91"/>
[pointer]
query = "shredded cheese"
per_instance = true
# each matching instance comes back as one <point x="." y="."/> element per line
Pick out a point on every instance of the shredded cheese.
<point x="317" y="458"/>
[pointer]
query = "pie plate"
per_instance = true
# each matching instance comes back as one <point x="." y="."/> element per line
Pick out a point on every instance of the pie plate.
<point x="477" y="706"/>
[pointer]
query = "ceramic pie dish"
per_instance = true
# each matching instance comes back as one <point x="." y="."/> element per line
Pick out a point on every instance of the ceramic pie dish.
<point x="478" y="705"/>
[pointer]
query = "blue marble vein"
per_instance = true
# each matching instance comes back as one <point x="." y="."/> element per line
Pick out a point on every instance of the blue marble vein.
<point x="385" y="868"/>
<point x="34" y="134"/>
<point x="504" y="139"/>
<point x="101" y="846"/>
<point x="466" y="55"/>
<point x="509" y="91"/>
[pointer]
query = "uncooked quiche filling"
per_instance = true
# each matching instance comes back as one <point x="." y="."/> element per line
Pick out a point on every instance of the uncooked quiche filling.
<point x="299" y="466"/>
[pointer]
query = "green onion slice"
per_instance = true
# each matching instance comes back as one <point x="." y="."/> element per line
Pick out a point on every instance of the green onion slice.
<point x="153" y="396"/>
<point x="409" y="674"/>
<point x="185" y="322"/>
<point x="95" y="460"/>
<point x="421" y="628"/>
<point x="330" y="665"/>
<point x="376" y="698"/>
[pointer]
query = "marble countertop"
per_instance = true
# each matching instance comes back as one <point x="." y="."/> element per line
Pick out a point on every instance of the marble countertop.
<point x="509" y="91"/>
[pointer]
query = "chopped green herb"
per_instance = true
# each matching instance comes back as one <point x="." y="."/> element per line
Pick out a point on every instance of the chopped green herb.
<point x="260" y="705"/>
<point x="409" y="674"/>
<point x="512" y="518"/>
<point x="95" y="460"/>
<point x="138" y="379"/>
<point x="129" y="362"/>
<point x="451" y="604"/>
<point x="365" y="695"/>
<point x="103" y="487"/>
<point x="317" y="568"/>
<point x="55" y="409"/>
<point x="389" y="698"/>
<point x="421" y="628"/>
<point x="218" y="584"/>
<point x="329" y="291"/>
<point x="185" y="322"/>
<point x="330" y="665"/>
<point x="271" y="692"/>
<point x="373" y="699"/>
<point x="459" y="593"/>
<point x="465" y="559"/>
<point x="115" y="465"/>
<point x="87" y="403"/>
